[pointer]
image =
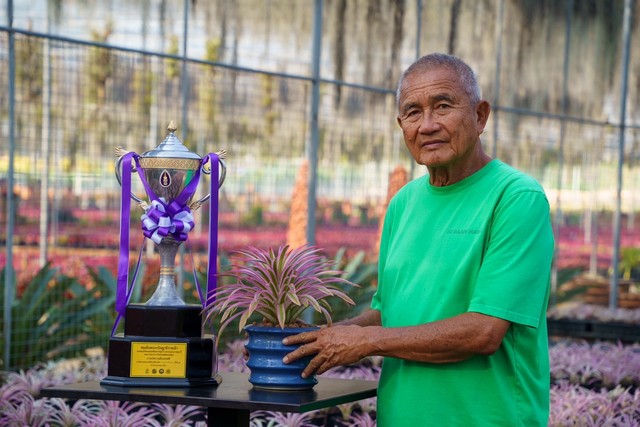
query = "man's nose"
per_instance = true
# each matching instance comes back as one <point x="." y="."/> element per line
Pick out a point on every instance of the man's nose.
<point x="428" y="123"/>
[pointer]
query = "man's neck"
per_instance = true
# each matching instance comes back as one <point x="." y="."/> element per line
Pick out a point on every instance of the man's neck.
<point x="441" y="176"/>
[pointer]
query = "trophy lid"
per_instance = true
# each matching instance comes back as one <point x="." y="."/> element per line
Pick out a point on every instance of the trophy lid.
<point x="171" y="147"/>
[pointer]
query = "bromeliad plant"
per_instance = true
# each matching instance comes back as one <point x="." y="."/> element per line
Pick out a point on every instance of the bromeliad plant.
<point x="277" y="284"/>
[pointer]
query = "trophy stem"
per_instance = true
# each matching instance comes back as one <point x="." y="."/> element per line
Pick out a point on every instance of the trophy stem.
<point x="165" y="293"/>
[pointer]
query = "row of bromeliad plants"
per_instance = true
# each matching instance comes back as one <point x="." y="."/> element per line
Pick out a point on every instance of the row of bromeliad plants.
<point x="593" y="384"/>
<point x="58" y="316"/>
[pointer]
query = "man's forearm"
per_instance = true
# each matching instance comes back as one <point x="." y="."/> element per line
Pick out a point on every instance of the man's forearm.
<point x="445" y="341"/>
<point x="367" y="318"/>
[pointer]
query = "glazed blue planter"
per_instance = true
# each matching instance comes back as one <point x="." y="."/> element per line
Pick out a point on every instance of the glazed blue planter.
<point x="265" y="359"/>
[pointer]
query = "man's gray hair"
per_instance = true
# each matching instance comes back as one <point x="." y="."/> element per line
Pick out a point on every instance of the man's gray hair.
<point x="442" y="60"/>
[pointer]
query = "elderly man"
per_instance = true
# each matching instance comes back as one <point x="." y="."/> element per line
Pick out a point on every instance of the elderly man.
<point x="460" y="311"/>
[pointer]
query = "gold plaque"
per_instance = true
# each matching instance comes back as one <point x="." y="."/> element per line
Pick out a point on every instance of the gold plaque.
<point x="158" y="360"/>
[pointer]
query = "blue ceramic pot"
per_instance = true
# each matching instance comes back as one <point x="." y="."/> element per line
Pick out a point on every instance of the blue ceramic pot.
<point x="265" y="359"/>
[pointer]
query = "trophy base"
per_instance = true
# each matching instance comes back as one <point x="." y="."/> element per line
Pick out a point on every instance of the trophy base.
<point x="160" y="382"/>
<point x="145" y="356"/>
<point x="163" y="321"/>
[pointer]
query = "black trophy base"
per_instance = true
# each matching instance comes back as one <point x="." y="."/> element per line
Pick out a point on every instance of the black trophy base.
<point x="163" y="321"/>
<point x="160" y="382"/>
<point x="162" y="347"/>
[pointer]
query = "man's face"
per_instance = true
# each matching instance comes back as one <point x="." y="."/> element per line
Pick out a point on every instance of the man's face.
<point x="441" y="126"/>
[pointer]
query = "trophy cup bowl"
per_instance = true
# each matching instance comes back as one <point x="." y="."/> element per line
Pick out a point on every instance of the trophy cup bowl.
<point x="163" y="344"/>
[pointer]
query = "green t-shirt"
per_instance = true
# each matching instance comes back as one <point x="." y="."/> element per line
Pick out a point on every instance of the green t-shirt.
<point x="485" y="245"/>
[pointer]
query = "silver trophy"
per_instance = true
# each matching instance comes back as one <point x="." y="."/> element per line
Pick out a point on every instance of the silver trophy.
<point x="164" y="343"/>
<point x="168" y="169"/>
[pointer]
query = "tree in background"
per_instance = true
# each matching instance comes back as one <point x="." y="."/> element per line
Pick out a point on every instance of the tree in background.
<point x="397" y="179"/>
<point x="297" y="228"/>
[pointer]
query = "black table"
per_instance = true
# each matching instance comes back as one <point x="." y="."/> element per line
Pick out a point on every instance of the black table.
<point x="230" y="403"/>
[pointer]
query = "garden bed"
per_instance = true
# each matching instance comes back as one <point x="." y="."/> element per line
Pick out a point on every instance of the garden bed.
<point x="594" y="330"/>
<point x="594" y="322"/>
<point x="592" y="383"/>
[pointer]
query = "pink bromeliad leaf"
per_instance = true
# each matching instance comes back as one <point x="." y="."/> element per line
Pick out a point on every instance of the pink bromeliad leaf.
<point x="277" y="284"/>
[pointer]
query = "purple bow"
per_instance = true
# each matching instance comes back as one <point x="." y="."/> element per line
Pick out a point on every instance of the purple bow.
<point x="161" y="220"/>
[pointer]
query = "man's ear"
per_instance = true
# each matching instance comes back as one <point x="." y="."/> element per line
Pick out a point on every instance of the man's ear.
<point x="483" y="109"/>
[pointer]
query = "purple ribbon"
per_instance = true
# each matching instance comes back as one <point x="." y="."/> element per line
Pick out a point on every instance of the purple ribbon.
<point x="124" y="294"/>
<point x="125" y="212"/>
<point x="212" y="270"/>
<point x="123" y="289"/>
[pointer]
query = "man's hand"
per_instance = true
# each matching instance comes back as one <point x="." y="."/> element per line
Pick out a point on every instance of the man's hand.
<point x="332" y="346"/>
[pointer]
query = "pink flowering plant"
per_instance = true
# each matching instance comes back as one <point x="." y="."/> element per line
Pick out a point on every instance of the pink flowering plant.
<point x="278" y="285"/>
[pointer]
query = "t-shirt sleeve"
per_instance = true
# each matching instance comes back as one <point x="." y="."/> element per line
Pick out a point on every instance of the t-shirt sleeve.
<point x="513" y="282"/>
<point x="376" y="301"/>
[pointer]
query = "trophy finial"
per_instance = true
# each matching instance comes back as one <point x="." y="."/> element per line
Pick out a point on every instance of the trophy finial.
<point x="172" y="126"/>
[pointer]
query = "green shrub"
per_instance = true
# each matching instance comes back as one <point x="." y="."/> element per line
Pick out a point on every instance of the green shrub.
<point x="58" y="317"/>
<point x="358" y="271"/>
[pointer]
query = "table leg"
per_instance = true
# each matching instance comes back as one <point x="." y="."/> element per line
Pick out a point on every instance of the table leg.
<point x="224" y="417"/>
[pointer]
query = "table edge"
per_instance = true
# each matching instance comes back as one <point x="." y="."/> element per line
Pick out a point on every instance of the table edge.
<point x="66" y="391"/>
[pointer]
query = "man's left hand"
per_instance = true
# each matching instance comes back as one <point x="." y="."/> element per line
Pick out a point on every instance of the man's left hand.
<point x="332" y="346"/>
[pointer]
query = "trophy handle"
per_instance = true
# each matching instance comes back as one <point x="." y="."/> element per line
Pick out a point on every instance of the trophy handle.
<point x="120" y="153"/>
<point x="223" y="173"/>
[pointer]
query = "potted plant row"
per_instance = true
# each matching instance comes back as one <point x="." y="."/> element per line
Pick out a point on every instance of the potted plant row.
<point x="592" y="321"/>
<point x="269" y="291"/>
